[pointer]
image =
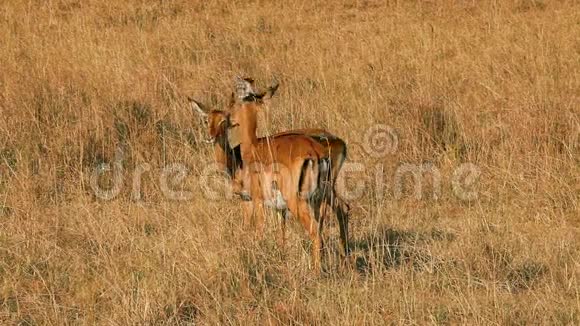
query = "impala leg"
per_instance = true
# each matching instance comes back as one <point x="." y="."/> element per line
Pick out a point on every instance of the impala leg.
<point x="341" y="209"/>
<point x="320" y="233"/>
<point x="252" y="186"/>
<point x="309" y="222"/>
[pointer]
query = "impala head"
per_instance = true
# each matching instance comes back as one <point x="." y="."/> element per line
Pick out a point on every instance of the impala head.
<point x="217" y="120"/>
<point x="246" y="92"/>
<point x="246" y="102"/>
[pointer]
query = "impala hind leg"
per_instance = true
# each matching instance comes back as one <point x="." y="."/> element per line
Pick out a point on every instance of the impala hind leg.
<point x="342" y="211"/>
<point x="314" y="228"/>
<point x="320" y="249"/>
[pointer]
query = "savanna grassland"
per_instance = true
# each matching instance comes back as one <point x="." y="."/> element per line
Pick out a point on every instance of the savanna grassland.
<point x="90" y="84"/>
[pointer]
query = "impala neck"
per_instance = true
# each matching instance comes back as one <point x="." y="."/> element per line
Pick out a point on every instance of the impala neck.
<point x="248" y="120"/>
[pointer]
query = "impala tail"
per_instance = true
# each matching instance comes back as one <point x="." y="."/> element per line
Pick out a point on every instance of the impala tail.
<point x="335" y="148"/>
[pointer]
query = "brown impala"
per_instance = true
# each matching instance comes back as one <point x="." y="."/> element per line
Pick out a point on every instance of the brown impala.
<point x="289" y="170"/>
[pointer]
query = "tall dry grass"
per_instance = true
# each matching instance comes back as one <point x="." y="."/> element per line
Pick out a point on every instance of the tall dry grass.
<point x="495" y="84"/>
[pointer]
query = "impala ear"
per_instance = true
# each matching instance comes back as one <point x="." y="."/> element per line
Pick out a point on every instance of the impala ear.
<point x="271" y="90"/>
<point x="197" y="107"/>
<point x="245" y="91"/>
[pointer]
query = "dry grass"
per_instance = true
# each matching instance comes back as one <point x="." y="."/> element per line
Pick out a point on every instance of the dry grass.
<point x="493" y="83"/>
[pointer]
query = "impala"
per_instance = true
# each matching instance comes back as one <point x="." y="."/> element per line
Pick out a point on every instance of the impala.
<point x="263" y="183"/>
<point x="284" y="173"/>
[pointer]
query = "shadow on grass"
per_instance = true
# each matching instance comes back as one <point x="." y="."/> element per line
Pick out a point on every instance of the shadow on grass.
<point x="387" y="248"/>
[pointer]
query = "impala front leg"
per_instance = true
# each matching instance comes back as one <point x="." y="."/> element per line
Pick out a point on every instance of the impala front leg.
<point x="309" y="222"/>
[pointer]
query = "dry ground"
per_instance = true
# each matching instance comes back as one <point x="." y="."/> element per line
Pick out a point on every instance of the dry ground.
<point x="491" y="83"/>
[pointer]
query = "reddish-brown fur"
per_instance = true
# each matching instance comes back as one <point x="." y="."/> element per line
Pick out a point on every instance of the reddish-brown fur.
<point x="298" y="180"/>
<point x="289" y="149"/>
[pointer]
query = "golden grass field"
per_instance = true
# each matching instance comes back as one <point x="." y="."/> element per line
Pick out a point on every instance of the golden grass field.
<point x="495" y="84"/>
